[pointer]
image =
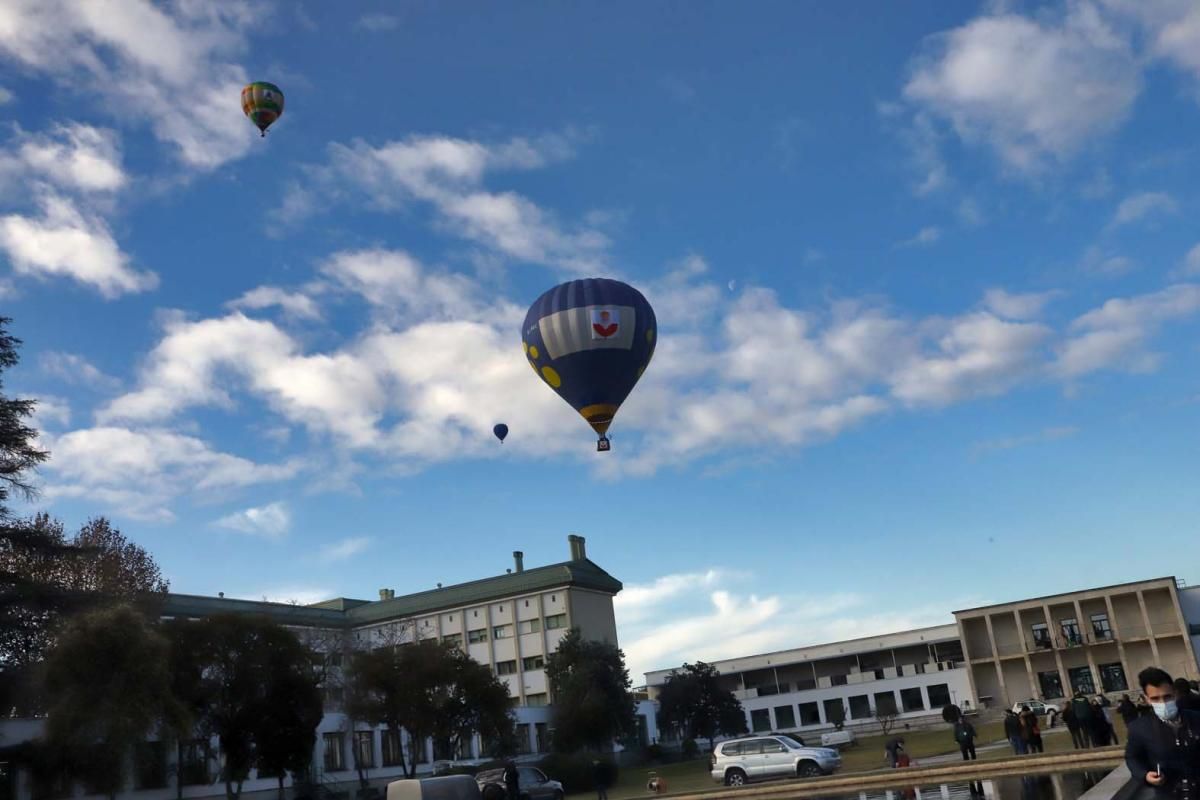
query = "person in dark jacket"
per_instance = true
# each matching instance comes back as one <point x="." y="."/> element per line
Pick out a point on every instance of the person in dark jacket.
<point x="893" y="749"/>
<point x="1185" y="698"/>
<point x="964" y="734"/>
<point x="1030" y="731"/>
<point x="1163" y="750"/>
<point x="1083" y="715"/>
<point x="1100" y="728"/>
<point x="1127" y="710"/>
<point x="1072" y="726"/>
<point x="1012" y="730"/>
<point x="602" y="777"/>
<point x="512" y="780"/>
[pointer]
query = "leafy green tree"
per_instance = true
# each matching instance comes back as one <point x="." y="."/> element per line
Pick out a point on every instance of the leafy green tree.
<point x="287" y="726"/>
<point x="593" y="704"/>
<point x="693" y="702"/>
<point x="431" y="690"/>
<point x="19" y="451"/>
<point x="111" y="688"/>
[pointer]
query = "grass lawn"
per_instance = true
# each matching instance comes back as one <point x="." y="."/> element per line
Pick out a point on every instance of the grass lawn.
<point x="866" y="755"/>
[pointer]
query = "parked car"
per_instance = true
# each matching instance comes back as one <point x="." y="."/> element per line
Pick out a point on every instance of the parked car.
<point x="837" y="739"/>
<point x="752" y="758"/>
<point x="533" y="783"/>
<point x="1036" y="706"/>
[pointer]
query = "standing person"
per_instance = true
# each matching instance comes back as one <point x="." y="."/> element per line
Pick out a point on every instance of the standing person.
<point x="512" y="780"/>
<point x="1083" y="714"/>
<point x="1163" y="750"/>
<point x="1099" y="726"/>
<point x="1072" y="724"/>
<point x="601" y="777"/>
<point x="893" y="749"/>
<point x="964" y="734"/>
<point x="1185" y="698"/>
<point x="1127" y="710"/>
<point x="1030" y="731"/>
<point x="1012" y="730"/>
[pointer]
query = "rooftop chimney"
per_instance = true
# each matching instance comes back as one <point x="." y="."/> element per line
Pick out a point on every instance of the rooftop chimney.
<point x="519" y="560"/>
<point x="578" y="550"/>
<point x="387" y="594"/>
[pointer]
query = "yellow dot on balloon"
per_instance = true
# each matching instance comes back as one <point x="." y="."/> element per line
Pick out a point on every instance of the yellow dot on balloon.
<point x="525" y="346"/>
<point x="551" y="377"/>
<point x="533" y="353"/>
<point x="650" y="334"/>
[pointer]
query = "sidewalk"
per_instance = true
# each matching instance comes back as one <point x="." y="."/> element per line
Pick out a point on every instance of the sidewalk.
<point x="1001" y="744"/>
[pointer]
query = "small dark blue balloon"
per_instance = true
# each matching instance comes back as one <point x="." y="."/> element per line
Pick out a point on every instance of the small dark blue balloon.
<point x="501" y="431"/>
<point x="590" y="340"/>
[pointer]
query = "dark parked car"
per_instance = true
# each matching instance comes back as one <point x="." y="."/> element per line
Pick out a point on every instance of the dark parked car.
<point x="534" y="785"/>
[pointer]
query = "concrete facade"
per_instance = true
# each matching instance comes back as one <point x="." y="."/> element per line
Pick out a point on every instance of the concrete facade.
<point x="915" y="673"/>
<point x="1096" y="640"/>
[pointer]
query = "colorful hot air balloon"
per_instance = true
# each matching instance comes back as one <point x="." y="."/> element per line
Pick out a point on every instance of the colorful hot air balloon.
<point x="590" y="340"/>
<point x="501" y="431"/>
<point x="262" y="102"/>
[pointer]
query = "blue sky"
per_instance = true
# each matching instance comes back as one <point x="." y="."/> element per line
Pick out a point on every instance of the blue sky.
<point x="928" y="284"/>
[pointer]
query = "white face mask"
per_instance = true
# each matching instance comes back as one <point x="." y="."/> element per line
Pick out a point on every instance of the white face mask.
<point x="1167" y="710"/>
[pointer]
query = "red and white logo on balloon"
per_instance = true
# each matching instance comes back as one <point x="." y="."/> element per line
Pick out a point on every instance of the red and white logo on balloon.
<point x="606" y="321"/>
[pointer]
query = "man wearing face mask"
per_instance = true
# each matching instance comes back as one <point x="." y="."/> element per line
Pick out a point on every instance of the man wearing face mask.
<point x="1163" y="749"/>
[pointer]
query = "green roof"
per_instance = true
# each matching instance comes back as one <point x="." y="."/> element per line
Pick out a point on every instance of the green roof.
<point x="346" y="613"/>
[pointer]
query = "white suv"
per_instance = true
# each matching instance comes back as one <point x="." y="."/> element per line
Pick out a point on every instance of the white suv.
<point x="754" y="758"/>
<point x="1036" y="706"/>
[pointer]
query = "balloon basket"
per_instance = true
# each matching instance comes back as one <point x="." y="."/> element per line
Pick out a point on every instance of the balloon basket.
<point x="602" y="445"/>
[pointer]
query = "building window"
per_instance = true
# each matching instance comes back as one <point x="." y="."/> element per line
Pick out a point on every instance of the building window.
<point x="838" y="680"/>
<point x="1070" y="631"/>
<point x="885" y="704"/>
<point x="506" y="667"/>
<point x="533" y="662"/>
<point x="785" y="717"/>
<point x="527" y="604"/>
<point x="364" y="748"/>
<point x="911" y="699"/>
<point x="810" y="714"/>
<point x="477" y="636"/>
<point x="1041" y="636"/>
<point x="501" y="609"/>
<point x="1112" y="677"/>
<point x="860" y="707"/>
<point x="150" y="765"/>
<point x="335" y="758"/>
<point x="541" y="737"/>
<point x="760" y="720"/>
<point x="502" y="632"/>
<point x="833" y="709"/>
<point x="555" y="621"/>
<point x="391" y="748"/>
<point x="939" y="695"/>
<point x="1081" y="680"/>
<point x="1051" y="685"/>
<point x="1101" y="629"/>
<point x="453" y="638"/>
<point x="535" y="701"/>
<point x="452" y="618"/>
<point x="523" y="747"/>
<point x="529" y="626"/>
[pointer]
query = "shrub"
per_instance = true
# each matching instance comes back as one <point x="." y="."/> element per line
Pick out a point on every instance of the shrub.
<point x="654" y="752"/>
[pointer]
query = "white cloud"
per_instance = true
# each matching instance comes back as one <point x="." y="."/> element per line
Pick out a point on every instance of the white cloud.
<point x="926" y="236"/>
<point x="1011" y="442"/>
<point x="1105" y="263"/>
<point x="139" y="473"/>
<point x="64" y="241"/>
<point x="377" y="23"/>
<point x="1191" y="262"/>
<point x="346" y="548"/>
<point x="448" y="174"/>
<point x="1114" y="336"/>
<point x="76" y="370"/>
<point x="296" y="304"/>
<point x="1143" y="205"/>
<point x="1172" y="27"/>
<point x="51" y="410"/>
<point x="292" y="595"/>
<point x="141" y="58"/>
<point x="6" y="96"/>
<point x="672" y="627"/>
<point x="76" y="156"/>
<point x="271" y="520"/>
<point x="1018" y="306"/>
<point x="1032" y="89"/>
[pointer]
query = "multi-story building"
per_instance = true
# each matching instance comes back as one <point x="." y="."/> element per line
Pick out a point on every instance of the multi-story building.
<point x="1096" y="640"/>
<point x="910" y="675"/>
<point x="510" y="622"/>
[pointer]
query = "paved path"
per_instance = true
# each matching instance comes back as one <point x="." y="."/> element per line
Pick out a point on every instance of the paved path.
<point x="983" y="748"/>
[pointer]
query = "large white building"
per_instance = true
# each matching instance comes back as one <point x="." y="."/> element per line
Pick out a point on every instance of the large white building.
<point x="912" y="674"/>
<point x="510" y="622"/>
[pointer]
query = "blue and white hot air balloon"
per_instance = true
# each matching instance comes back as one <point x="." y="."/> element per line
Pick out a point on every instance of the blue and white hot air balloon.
<point x="590" y="340"/>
